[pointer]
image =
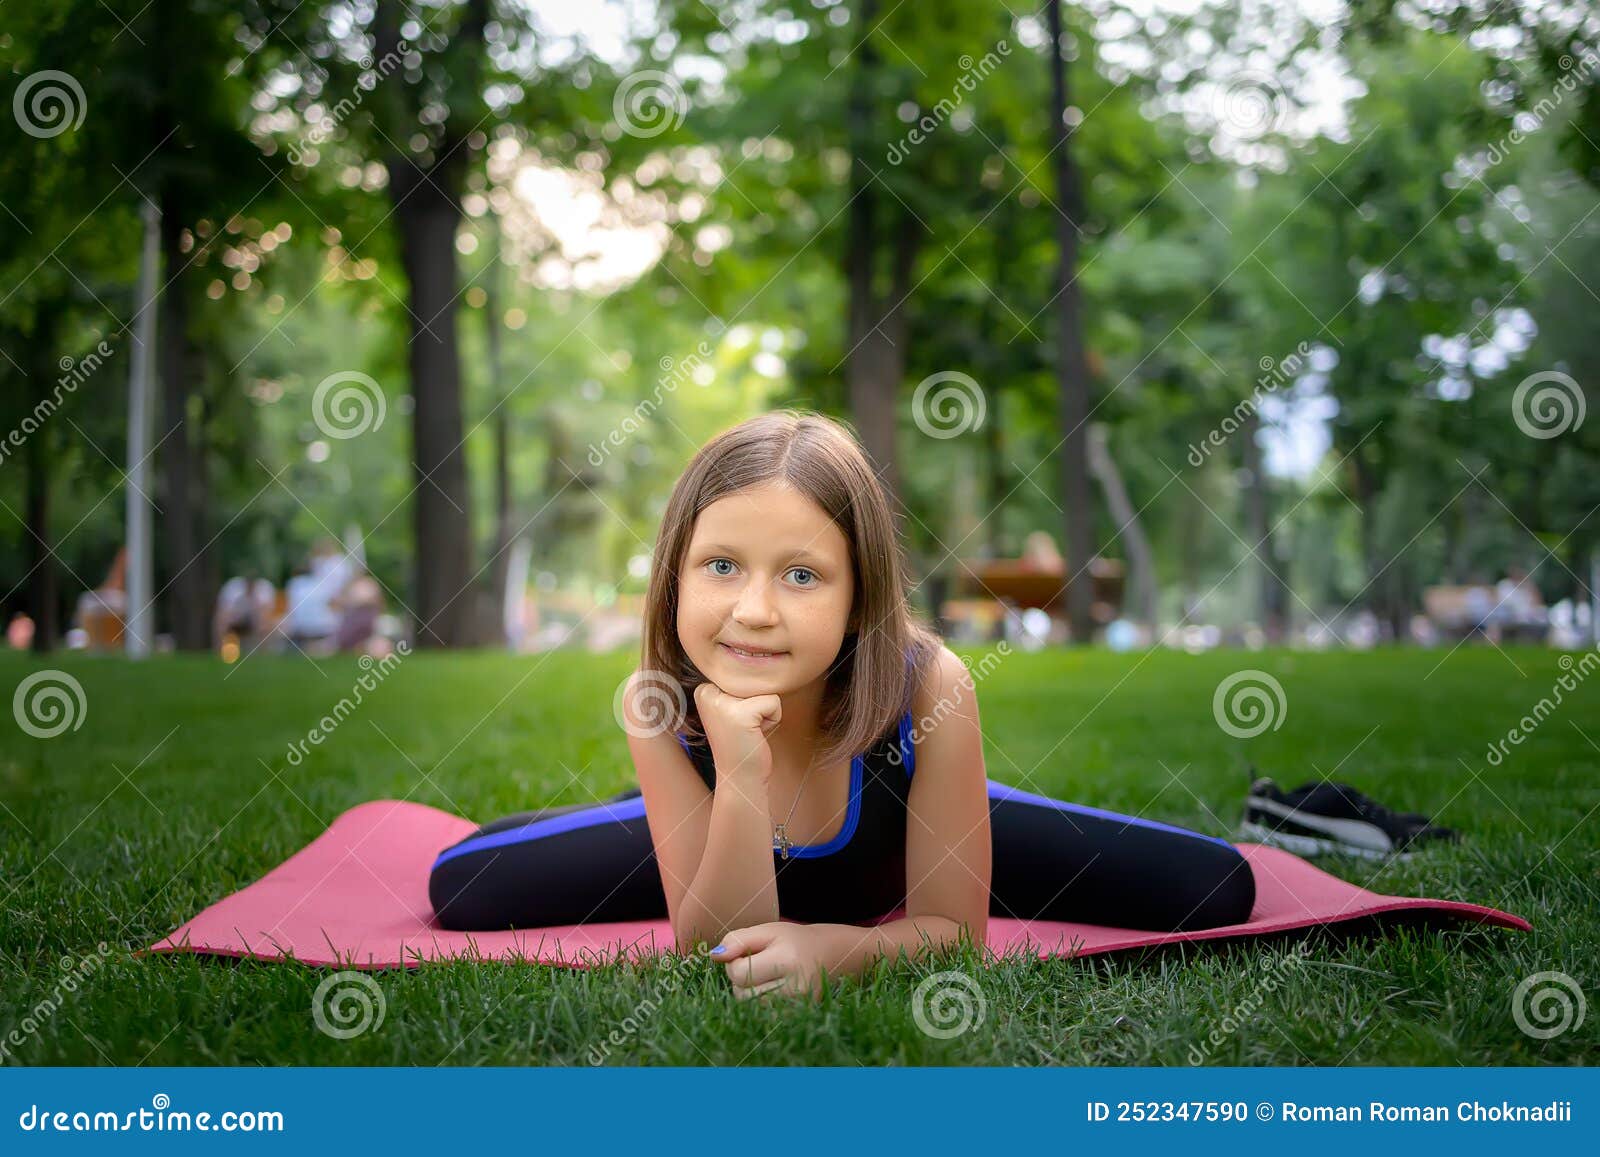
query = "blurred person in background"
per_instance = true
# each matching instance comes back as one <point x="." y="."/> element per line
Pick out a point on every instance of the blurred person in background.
<point x="312" y="621"/>
<point x="244" y="611"/>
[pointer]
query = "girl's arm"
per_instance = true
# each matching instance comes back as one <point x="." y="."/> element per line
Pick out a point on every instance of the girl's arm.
<point x="947" y="833"/>
<point x="715" y="861"/>
<point x="736" y="882"/>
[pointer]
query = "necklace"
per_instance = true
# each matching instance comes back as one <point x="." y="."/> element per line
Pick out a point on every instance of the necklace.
<point x="781" y="843"/>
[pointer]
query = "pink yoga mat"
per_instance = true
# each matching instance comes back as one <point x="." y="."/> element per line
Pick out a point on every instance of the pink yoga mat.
<point x="357" y="896"/>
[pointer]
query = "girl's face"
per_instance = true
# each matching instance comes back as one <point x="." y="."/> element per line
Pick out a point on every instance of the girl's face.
<point x="766" y="568"/>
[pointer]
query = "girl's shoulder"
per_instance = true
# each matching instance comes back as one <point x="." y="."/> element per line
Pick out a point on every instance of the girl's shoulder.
<point x="945" y="677"/>
<point x="947" y="690"/>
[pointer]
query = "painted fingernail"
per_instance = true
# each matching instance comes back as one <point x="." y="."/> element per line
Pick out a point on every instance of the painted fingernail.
<point x="720" y="948"/>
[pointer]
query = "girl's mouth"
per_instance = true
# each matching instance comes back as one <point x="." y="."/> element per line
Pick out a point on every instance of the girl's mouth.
<point x="754" y="658"/>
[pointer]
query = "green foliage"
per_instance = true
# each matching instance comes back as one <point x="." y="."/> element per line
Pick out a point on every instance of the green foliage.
<point x="1201" y="255"/>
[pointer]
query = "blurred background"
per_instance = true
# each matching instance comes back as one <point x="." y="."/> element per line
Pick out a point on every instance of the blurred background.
<point x="329" y="326"/>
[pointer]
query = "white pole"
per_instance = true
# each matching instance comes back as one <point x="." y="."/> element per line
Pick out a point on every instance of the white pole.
<point x="1594" y="597"/>
<point x="138" y="629"/>
<point x="511" y="611"/>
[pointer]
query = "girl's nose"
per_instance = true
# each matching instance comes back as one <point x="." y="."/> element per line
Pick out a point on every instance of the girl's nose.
<point x="753" y="604"/>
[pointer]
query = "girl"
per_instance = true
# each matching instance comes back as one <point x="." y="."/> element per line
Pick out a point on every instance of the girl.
<point x="810" y="760"/>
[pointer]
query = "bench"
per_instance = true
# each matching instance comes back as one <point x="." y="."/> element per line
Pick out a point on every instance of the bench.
<point x="1021" y="585"/>
<point x="1460" y="611"/>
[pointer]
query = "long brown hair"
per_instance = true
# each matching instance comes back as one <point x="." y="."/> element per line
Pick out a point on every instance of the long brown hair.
<point x="885" y="651"/>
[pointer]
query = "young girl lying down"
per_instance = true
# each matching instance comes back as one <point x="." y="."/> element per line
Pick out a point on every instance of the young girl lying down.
<point x="812" y="792"/>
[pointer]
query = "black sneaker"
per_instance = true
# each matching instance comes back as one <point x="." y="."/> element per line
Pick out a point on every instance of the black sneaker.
<point x="1334" y="818"/>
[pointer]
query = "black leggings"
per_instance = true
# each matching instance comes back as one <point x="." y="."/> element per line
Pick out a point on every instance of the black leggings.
<point x="539" y="869"/>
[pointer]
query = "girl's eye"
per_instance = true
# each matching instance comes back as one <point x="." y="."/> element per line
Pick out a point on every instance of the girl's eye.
<point x="719" y="561"/>
<point x="806" y="571"/>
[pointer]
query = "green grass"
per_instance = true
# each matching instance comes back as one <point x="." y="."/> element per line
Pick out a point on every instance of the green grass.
<point x="87" y="855"/>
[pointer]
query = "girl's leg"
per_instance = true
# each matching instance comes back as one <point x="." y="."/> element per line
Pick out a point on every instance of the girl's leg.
<point x="538" y="869"/>
<point x="1062" y="861"/>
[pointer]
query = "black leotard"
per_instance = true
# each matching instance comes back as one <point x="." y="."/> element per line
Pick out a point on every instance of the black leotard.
<point x="1051" y="860"/>
<point x="861" y="873"/>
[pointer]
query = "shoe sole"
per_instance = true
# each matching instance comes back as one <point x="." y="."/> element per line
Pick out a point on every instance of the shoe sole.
<point x="1352" y="833"/>
<point x="1312" y="845"/>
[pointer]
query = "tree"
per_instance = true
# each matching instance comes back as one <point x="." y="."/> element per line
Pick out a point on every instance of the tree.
<point x="1399" y="222"/>
<point x="170" y="130"/>
<point x="1072" y="366"/>
<point x="426" y="192"/>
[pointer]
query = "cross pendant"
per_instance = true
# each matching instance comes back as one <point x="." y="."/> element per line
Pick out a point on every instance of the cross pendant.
<point x="781" y="842"/>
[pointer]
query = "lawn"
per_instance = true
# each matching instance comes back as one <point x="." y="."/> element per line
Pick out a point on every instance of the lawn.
<point x="177" y="789"/>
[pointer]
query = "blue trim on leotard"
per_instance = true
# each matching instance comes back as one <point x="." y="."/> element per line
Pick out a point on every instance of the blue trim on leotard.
<point x="908" y="750"/>
<point x="852" y="817"/>
<point x="631" y="809"/>
<point x="1005" y="791"/>
<point x="636" y="808"/>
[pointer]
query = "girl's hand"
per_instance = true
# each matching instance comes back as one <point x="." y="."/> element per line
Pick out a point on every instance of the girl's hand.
<point x="781" y="957"/>
<point x="737" y="730"/>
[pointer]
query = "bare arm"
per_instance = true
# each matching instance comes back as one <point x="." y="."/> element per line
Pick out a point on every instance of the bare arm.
<point x="948" y="863"/>
<point x="713" y="849"/>
<point x="846" y="950"/>
<point x="735" y="884"/>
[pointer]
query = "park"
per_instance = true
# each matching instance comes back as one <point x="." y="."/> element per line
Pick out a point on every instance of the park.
<point x="1208" y="381"/>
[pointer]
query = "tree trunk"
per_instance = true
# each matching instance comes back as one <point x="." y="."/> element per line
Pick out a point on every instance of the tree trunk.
<point x="1270" y="587"/>
<point x="994" y="459"/>
<point x="1141" y="559"/>
<point x="43" y="595"/>
<point x="1454" y="525"/>
<point x="427" y="209"/>
<point x="1367" y="498"/>
<point x="210" y="564"/>
<point x="501" y="422"/>
<point x="1072" y="369"/>
<point x="43" y="589"/>
<point x="188" y="604"/>
<point x="994" y="470"/>
<point x="1188" y="532"/>
<point x="875" y="361"/>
